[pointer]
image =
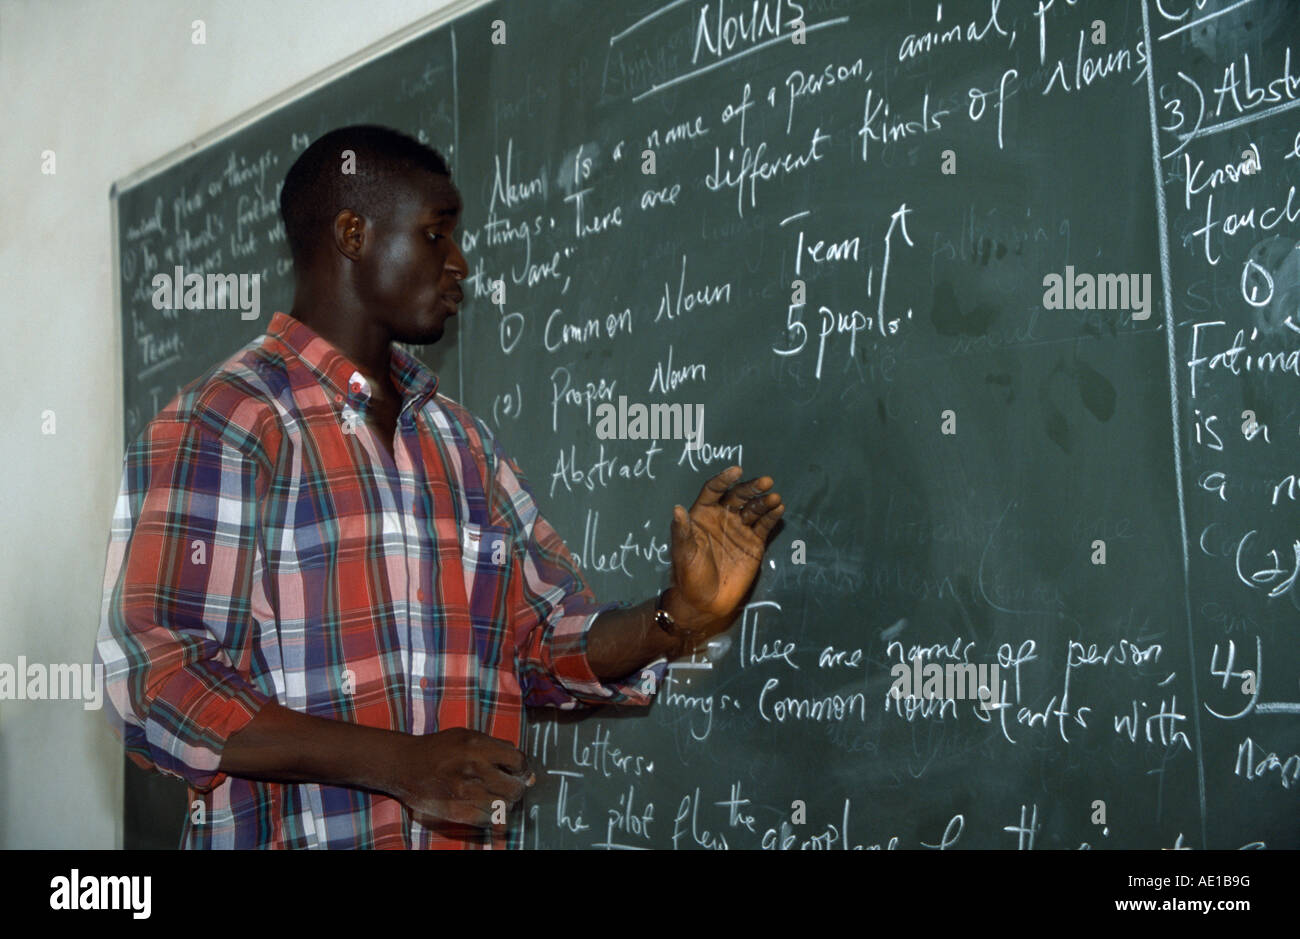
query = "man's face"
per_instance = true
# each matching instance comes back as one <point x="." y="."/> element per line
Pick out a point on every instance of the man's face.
<point x="411" y="271"/>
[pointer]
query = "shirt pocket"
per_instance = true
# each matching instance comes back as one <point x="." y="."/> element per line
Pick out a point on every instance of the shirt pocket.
<point x="487" y="559"/>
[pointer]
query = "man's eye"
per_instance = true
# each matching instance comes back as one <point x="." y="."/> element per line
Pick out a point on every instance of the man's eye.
<point x="433" y="235"/>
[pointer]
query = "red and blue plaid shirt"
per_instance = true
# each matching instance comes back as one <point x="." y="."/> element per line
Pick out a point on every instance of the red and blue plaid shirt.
<point x="266" y="546"/>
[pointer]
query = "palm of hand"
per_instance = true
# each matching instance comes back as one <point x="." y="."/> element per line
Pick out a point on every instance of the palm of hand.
<point x="718" y="546"/>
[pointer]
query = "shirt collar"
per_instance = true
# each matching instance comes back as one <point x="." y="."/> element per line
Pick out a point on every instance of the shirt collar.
<point x="336" y="371"/>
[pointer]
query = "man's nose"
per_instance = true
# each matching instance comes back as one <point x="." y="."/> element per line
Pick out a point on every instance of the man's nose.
<point x="456" y="263"/>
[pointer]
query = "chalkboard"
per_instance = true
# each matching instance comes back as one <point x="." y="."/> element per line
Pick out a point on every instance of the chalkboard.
<point x="1006" y="299"/>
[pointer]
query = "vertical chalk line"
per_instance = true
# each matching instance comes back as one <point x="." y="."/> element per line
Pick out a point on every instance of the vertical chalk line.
<point x="1162" y="228"/>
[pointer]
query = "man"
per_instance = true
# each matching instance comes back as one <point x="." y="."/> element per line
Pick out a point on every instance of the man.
<point x="329" y="593"/>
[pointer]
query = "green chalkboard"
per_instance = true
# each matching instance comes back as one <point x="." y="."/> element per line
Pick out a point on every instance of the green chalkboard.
<point x="834" y="225"/>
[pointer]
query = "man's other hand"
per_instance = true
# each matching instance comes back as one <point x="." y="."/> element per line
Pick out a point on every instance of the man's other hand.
<point x="462" y="776"/>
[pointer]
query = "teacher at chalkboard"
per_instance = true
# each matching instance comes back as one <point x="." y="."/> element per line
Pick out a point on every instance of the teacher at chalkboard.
<point x="329" y="591"/>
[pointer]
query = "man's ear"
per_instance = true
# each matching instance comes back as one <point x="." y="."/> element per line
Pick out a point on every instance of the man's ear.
<point x="350" y="234"/>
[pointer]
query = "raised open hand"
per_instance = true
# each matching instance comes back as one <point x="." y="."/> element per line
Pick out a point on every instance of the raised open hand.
<point x="717" y="548"/>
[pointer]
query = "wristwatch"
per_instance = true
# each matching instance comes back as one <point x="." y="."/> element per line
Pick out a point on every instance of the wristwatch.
<point x="664" y="620"/>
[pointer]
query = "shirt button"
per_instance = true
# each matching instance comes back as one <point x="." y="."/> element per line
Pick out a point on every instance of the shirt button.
<point x="338" y="398"/>
<point x="419" y="595"/>
<point x="424" y="683"/>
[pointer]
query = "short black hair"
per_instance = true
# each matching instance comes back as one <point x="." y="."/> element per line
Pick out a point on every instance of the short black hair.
<point x="315" y="188"/>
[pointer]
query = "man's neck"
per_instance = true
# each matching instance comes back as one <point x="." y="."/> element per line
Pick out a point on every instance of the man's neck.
<point x="367" y="346"/>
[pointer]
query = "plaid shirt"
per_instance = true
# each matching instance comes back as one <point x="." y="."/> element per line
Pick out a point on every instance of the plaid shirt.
<point x="265" y="546"/>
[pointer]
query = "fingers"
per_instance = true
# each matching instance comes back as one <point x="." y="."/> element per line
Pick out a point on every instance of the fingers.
<point x="476" y="812"/>
<point x="502" y="770"/>
<point x="466" y="812"/>
<point x="724" y="489"/>
<point x="465" y="777"/>
<point x="488" y="754"/>
<point x="767" y="521"/>
<point x="717" y="487"/>
<point x="504" y="786"/>
<point x="743" y="493"/>
<point x="499" y="753"/>
<point x="483" y="801"/>
<point x="756" y="508"/>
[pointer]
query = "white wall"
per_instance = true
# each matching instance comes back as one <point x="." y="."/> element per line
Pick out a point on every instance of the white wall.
<point x="109" y="87"/>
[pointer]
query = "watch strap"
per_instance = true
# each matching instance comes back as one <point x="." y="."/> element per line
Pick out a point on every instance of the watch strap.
<point x="664" y="620"/>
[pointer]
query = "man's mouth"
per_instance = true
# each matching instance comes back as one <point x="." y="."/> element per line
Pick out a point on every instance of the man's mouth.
<point x="453" y="300"/>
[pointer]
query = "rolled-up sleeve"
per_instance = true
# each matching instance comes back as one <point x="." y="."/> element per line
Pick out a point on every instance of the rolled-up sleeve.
<point x="553" y="609"/>
<point x="184" y="568"/>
